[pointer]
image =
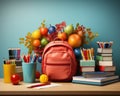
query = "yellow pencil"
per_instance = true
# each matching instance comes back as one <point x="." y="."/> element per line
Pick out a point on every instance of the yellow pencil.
<point x="82" y="54"/>
<point x="92" y="53"/>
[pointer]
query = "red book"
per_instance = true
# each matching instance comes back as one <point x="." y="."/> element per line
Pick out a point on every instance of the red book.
<point x="107" y="68"/>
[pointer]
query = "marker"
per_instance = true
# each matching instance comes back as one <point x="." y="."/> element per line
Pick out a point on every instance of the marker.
<point x="28" y="58"/>
<point x="25" y="59"/>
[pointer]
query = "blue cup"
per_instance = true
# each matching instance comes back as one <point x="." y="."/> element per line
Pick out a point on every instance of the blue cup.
<point x="29" y="70"/>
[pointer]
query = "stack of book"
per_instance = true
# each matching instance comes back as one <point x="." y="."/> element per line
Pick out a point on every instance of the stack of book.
<point x="87" y="64"/>
<point x="104" y="58"/>
<point x="96" y="78"/>
<point x="106" y="73"/>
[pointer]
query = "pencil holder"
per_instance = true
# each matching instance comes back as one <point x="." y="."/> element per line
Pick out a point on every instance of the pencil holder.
<point x="8" y="70"/>
<point x="29" y="70"/>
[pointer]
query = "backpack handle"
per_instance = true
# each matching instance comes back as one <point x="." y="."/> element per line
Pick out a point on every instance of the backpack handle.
<point x="57" y="39"/>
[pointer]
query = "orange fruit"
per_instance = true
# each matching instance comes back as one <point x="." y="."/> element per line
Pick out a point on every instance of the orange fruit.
<point x="36" y="43"/>
<point x="74" y="40"/>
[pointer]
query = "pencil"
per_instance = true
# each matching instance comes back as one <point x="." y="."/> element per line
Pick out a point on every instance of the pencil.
<point x="38" y="85"/>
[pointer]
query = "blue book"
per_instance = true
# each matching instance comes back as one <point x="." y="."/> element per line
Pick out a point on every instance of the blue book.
<point x="95" y="81"/>
<point x="97" y="74"/>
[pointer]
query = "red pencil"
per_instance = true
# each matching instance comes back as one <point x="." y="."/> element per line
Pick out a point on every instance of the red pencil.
<point x="38" y="85"/>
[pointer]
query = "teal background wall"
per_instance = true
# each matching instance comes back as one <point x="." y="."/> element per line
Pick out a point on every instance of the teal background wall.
<point x="17" y="17"/>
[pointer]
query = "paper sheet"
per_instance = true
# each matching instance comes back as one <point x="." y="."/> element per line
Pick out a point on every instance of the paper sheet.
<point x="45" y="86"/>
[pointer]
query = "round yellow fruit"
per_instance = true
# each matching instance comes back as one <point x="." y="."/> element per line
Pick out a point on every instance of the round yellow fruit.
<point x="43" y="78"/>
<point x="36" y="34"/>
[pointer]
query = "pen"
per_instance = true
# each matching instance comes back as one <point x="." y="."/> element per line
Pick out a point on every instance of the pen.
<point x="38" y="85"/>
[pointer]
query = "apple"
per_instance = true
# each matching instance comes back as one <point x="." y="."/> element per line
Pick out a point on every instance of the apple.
<point x="69" y="29"/>
<point x="44" y="41"/>
<point x="44" y="31"/>
<point x="15" y="79"/>
<point x="37" y="74"/>
<point x="51" y="29"/>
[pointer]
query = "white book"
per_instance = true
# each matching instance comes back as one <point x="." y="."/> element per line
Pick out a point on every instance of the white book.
<point x="104" y="50"/>
<point x="101" y="79"/>
<point x="106" y="58"/>
<point x="105" y="63"/>
<point x="105" y="54"/>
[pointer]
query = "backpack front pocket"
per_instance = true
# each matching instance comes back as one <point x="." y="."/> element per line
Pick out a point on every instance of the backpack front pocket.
<point x="58" y="66"/>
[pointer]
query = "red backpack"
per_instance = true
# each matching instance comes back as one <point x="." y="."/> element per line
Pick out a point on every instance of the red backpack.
<point x="58" y="61"/>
